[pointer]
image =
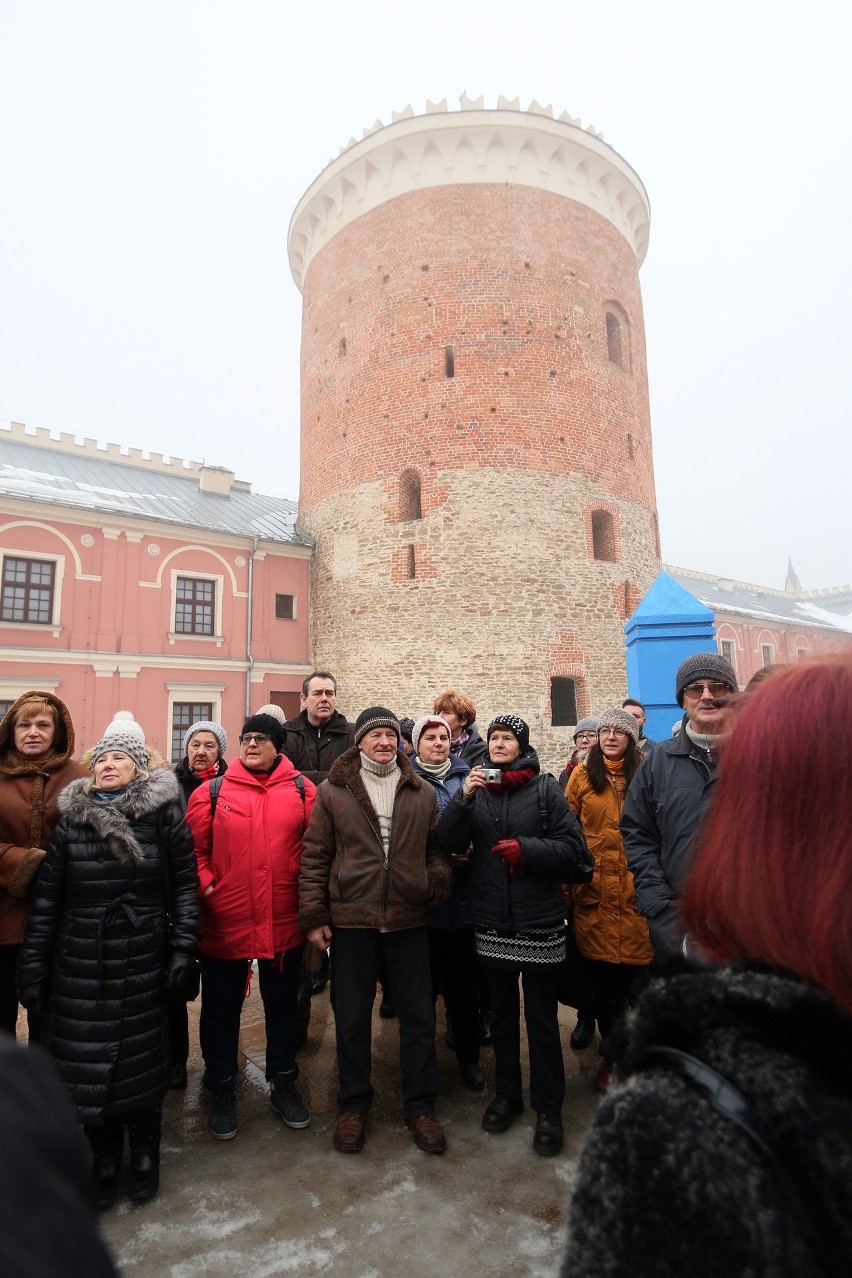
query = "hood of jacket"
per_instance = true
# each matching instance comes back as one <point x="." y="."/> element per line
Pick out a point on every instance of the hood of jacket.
<point x="112" y="820"/>
<point x="13" y="764"/>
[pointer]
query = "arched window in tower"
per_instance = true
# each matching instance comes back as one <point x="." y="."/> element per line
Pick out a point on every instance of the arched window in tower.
<point x="410" y="505"/>
<point x="613" y="340"/>
<point x="603" y="536"/>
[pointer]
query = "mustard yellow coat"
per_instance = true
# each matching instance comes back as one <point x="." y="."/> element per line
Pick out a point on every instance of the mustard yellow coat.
<point x="607" y="924"/>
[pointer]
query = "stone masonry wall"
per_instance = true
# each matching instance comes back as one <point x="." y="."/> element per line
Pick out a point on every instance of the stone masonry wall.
<point x="505" y="596"/>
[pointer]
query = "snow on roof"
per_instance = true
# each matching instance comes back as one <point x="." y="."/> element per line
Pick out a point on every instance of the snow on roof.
<point x="742" y="599"/>
<point x="30" y="471"/>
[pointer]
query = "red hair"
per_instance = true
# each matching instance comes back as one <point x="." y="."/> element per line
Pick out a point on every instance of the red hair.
<point x="773" y="869"/>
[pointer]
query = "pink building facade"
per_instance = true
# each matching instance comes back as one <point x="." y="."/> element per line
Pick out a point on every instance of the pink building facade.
<point x="141" y="584"/>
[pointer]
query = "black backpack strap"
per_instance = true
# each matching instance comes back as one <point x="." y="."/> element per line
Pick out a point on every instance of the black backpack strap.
<point x="215" y="787"/>
<point x="728" y="1101"/>
<point x="543" y="814"/>
<point x="300" y="786"/>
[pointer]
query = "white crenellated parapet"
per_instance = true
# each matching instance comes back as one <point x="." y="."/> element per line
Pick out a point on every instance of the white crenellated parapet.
<point x="474" y="145"/>
<point x="211" y="478"/>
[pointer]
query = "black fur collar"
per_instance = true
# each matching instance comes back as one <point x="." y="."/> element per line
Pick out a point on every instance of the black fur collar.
<point x="113" y="821"/>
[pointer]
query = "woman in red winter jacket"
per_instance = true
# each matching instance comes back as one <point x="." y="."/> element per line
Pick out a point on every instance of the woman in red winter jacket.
<point x="248" y="840"/>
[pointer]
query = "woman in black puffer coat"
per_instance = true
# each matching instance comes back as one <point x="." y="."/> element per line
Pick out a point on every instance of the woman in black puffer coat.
<point x="526" y="844"/>
<point x="113" y="927"/>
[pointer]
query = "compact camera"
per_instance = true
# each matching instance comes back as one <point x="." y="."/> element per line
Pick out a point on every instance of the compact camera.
<point x="492" y="776"/>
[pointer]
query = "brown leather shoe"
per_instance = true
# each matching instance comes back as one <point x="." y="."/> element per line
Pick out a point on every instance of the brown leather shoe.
<point x="428" y="1134"/>
<point x="349" y="1133"/>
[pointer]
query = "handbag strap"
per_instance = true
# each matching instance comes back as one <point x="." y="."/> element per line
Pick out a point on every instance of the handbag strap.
<point x="728" y="1101"/>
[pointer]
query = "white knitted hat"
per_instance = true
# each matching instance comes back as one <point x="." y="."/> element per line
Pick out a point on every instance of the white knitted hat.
<point x="124" y="733"/>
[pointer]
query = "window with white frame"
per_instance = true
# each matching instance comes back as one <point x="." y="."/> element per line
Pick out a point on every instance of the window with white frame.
<point x="195" y="606"/>
<point x="28" y="590"/>
<point x="767" y="653"/>
<point x="727" y="646"/>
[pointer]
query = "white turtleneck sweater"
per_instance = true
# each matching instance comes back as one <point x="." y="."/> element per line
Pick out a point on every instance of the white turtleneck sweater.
<point x="380" y="781"/>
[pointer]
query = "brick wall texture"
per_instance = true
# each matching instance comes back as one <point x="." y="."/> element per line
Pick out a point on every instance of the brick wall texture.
<point x="508" y="288"/>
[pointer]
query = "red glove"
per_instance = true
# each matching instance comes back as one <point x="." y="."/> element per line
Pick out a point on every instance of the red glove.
<point x="510" y="850"/>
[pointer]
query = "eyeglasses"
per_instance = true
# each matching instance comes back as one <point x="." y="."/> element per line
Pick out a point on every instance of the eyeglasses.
<point x="260" y="738"/>
<point x="613" y="732"/>
<point x="715" y="689"/>
<point x="585" y="736"/>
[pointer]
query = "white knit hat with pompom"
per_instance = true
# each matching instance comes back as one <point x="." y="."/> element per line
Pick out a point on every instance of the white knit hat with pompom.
<point x="124" y="733"/>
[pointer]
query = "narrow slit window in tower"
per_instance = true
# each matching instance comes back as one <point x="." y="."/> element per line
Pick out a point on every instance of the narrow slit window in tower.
<point x="603" y="536"/>
<point x="410" y="563"/>
<point x="449" y="362"/>
<point x="563" y="702"/>
<point x="410" y="506"/>
<point x="613" y="339"/>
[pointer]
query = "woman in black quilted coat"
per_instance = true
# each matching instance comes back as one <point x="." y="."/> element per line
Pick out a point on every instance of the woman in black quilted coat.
<point x="113" y="927"/>
<point x="526" y="844"/>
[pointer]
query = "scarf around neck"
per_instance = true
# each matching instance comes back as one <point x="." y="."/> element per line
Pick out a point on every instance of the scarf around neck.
<point x="436" y="770"/>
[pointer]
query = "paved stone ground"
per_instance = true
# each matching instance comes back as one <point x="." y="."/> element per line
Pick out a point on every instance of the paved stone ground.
<point x="275" y="1201"/>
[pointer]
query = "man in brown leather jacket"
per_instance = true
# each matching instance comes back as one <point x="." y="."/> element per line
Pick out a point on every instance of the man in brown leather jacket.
<point x="371" y="870"/>
<point x="36" y="745"/>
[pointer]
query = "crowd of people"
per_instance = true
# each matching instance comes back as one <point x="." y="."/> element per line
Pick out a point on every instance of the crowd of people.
<point x="689" y="894"/>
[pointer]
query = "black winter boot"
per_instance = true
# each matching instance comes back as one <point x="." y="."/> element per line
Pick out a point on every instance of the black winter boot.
<point x="144" y="1133"/>
<point x="107" y="1143"/>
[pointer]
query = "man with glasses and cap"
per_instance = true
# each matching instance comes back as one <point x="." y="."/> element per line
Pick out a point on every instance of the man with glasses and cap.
<point x="669" y="793"/>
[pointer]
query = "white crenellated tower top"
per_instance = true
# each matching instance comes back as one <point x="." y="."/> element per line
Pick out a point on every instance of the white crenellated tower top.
<point x="504" y="145"/>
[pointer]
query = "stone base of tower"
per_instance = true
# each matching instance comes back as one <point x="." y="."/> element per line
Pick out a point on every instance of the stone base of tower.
<point x="495" y="606"/>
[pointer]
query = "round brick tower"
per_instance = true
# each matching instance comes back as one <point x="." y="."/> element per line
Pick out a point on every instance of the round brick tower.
<point x="476" y="448"/>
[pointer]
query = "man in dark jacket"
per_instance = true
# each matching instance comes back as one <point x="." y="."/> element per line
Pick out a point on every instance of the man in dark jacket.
<point x="637" y="711"/>
<point x="371" y="870"/>
<point x="319" y="734"/>
<point x="668" y="795"/>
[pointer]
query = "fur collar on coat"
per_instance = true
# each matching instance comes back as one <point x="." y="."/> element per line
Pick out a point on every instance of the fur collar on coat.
<point x="113" y="821"/>
<point x="346" y="769"/>
<point x="346" y="772"/>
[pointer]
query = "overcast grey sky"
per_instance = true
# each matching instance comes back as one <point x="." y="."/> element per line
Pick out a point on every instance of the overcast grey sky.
<point x="151" y="155"/>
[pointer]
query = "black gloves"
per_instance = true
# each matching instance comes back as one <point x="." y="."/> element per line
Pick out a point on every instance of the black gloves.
<point x="179" y="975"/>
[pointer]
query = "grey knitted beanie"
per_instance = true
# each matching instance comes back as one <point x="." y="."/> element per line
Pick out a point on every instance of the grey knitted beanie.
<point x="124" y="733"/>
<point x="206" y="725"/>
<point x="618" y="718"/>
<point x="704" y="665"/>
<point x="590" y="724"/>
